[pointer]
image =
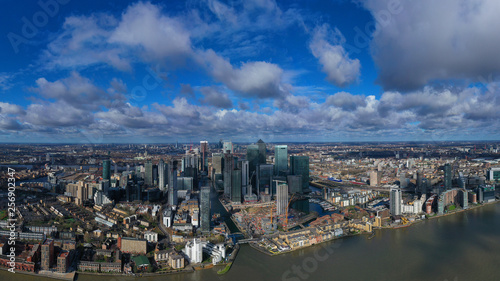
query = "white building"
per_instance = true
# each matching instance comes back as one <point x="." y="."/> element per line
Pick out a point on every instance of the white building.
<point x="167" y="217"/>
<point x="414" y="207"/>
<point x="151" y="236"/>
<point x="194" y="251"/>
<point x="195" y="218"/>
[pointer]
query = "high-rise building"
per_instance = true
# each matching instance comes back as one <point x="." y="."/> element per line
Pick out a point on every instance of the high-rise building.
<point x="294" y="183"/>
<point x="203" y="152"/>
<point x="228" y="168"/>
<point x="106" y="169"/>
<point x="236" y="186"/>
<point x="265" y="178"/>
<point x="47" y="254"/>
<point x="262" y="151"/>
<point x="185" y="183"/>
<point x="194" y="251"/>
<point x="374" y="178"/>
<point x="421" y="189"/>
<point x="244" y="178"/>
<point x="395" y="201"/>
<point x="148" y="173"/>
<point x="281" y="198"/>
<point x="172" y="183"/>
<point x="253" y="157"/>
<point x="280" y="160"/>
<point x="205" y="209"/>
<point x="228" y="147"/>
<point x="300" y="167"/>
<point x="217" y="163"/>
<point x="447" y="176"/>
<point x="162" y="175"/>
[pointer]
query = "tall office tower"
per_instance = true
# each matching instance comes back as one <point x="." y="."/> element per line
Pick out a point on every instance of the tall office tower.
<point x="162" y="175"/>
<point x="47" y="254"/>
<point x="447" y="176"/>
<point x="205" y="209"/>
<point x="228" y="168"/>
<point x="374" y="178"/>
<point x="203" y="151"/>
<point x="294" y="184"/>
<point x="280" y="160"/>
<point x="228" y="147"/>
<point x="281" y="198"/>
<point x="421" y="189"/>
<point x="148" y="173"/>
<point x="217" y="163"/>
<point x="244" y="178"/>
<point x="300" y="167"/>
<point x="185" y="183"/>
<point x="262" y="151"/>
<point x="265" y="178"/>
<point x="253" y="157"/>
<point x="236" y="186"/>
<point x="395" y="201"/>
<point x="172" y="183"/>
<point x="106" y="169"/>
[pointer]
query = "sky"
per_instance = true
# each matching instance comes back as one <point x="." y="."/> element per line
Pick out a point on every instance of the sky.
<point x="280" y="71"/>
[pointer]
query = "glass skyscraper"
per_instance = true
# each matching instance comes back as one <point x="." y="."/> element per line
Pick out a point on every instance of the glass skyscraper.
<point x="148" y="173"/>
<point x="106" y="169"/>
<point x="205" y="209"/>
<point x="236" y="186"/>
<point x="280" y="160"/>
<point x="300" y="167"/>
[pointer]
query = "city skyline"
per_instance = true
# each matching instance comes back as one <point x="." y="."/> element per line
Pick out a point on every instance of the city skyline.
<point x="320" y="71"/>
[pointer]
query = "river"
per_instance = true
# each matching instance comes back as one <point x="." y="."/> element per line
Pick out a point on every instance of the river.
<point x="463" y="246"/>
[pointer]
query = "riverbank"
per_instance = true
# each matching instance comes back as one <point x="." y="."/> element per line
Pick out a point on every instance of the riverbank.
<point x="53" y="275"/>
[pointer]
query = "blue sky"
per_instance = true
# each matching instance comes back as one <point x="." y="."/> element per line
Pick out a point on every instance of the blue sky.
<point x="162" y="71"/>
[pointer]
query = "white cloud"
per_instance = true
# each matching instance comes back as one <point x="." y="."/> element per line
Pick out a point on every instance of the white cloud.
<point x="340" y="69"/>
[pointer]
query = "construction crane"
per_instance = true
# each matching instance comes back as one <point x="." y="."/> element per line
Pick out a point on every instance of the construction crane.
<point x="286" y="214"/>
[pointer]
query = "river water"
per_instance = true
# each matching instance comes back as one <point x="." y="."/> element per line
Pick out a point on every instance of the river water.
<point x="463" y="246"/>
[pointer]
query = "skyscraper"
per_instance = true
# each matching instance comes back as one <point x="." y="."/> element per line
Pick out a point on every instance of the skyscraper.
<point x="374" y="178"/>
<point x="236" y="186"/>
<point x="262" y="151"/>
<point x="294" y="183"/>
<point x="447" y="176"/>
<point x="106" y="169"/>
<point x="228" y="147"/>
<point x="244" y="177"/>
<point x="300" y="167"/>
<point x="148" y="173"/>
<point x="265" y="178"/>
<point x="280" y="160"/>
<point x="217" y="163"/>
<point x="172" y="183"/>
<point x="228" y="167"/>
<point x="395" y="201"/>
<point x="252" y="157"/>
<point x="203" y="151"/>
<point x="421" y="189"/>
<point x="281" y="198"/>
<point x="162" y="175"/>
<point x="205" y="209"/>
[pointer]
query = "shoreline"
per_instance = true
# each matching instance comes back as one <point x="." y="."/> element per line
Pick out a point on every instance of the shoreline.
<point x="251" y="244"/>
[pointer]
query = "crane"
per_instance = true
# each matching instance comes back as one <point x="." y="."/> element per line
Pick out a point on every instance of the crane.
<point x="286" y="214"/>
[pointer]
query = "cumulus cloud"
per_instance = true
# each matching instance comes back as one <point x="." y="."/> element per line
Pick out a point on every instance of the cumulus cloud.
<point x="78" y="91"/>
<point x="214" y="97"/>
<point x="339" y="68"/>
<point x="424" y="41"/>
<point x="254" y="79"/>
